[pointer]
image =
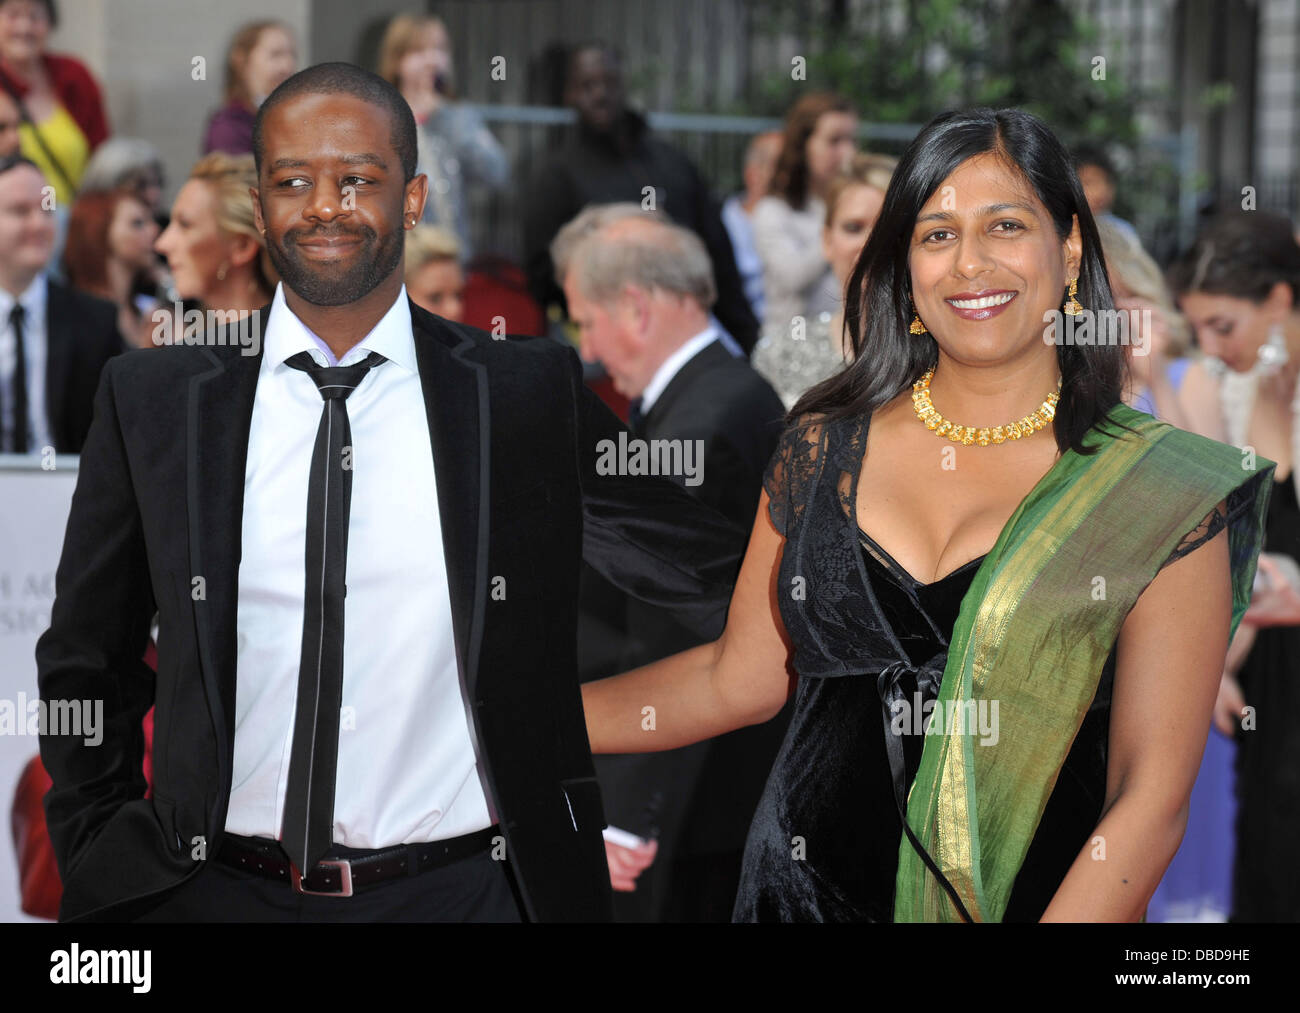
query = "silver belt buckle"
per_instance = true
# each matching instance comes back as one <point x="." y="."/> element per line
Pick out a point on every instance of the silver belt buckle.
<point x="345" y="873"/>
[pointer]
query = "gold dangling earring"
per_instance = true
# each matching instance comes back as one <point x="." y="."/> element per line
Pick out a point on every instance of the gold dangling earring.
<point x="917" y="327"/>
<point x="1073" y="307"/>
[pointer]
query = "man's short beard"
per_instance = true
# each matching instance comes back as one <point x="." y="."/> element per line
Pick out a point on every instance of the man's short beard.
<point x="327" y="284"/>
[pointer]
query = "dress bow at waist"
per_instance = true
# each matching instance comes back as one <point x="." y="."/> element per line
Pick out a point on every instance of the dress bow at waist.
<point x="929" y="677"/>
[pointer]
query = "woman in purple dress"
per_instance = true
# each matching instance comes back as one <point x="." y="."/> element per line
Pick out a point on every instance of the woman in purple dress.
<point x="262" y="54"/>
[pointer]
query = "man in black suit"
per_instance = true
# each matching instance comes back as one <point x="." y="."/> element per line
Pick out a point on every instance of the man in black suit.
<point x="639" y="289"/>
<point x="614" y="156"/>
<point x="60" y="337"/>
<point x="452" y="481"/>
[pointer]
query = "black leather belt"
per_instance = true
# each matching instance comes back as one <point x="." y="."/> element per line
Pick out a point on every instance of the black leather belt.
<point x="353" y="869"/>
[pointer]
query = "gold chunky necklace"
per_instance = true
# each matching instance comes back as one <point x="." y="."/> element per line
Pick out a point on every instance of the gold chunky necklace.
<point x="983" y="436"/>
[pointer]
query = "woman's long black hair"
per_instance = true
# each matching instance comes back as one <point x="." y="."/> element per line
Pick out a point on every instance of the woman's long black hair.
<point x="878" y="299"/>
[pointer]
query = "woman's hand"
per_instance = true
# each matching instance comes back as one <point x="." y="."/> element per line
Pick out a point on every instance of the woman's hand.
<point x="1230" y="701"/>
<point x="1229" y="705"/>
<point x="1242" y="641"/>
<point x="1278" y="602"/>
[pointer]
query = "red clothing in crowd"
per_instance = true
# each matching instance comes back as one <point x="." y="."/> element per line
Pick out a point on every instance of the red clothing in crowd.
<point x="76" y="90"/>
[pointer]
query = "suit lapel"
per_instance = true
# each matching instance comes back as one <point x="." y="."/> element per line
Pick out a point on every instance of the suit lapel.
<point x="706" y="358"/>
<point x="456" y="401"/>
<point x="217" y="428"/>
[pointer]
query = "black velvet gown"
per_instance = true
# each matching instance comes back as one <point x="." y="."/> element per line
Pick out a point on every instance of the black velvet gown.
<point x="824" y="841"/>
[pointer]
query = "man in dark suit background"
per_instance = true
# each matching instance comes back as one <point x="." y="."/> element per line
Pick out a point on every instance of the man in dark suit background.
<point x="426" y="742"/>
<point x="639" y="289"/>
<point x="66" y="336"/>
<point x="612" y="156"/>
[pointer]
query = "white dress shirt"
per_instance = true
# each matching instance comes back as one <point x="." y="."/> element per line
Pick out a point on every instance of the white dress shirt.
<point x="33" y="299"/>
<point x="672" y="365"/>
<point x="407" y="770"/>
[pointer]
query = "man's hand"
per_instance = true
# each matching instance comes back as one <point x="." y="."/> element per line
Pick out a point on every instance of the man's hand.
<point x="625" y="864"/>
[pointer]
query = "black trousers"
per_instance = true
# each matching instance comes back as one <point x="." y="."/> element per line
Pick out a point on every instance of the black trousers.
<point x="474" y="889"/>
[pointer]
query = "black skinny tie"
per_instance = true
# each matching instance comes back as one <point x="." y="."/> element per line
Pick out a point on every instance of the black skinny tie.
<point x="635" y="417"/>
<point x="313" y="763"/>
<point x="20" y="383"/>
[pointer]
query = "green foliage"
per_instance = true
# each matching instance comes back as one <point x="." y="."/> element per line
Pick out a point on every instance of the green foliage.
<point x="1037" y="55"/>
<point x="907" y="62"/>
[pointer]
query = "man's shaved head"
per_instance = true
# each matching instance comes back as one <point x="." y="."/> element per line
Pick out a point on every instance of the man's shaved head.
<point x="346" y="79"/>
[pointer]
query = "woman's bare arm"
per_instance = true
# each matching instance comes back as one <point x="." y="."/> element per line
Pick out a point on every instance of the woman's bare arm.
<point x="742" y="678"/>
<point x="1170" y="659"/>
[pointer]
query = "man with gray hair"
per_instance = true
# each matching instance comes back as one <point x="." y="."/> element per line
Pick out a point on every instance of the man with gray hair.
<point x="594" y="217"/>
<point x="639" y="289"/>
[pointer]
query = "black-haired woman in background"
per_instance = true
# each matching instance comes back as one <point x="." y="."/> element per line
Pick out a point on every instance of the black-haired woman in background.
<point x="1004" y="643"/>
<point x="1239" y="287"/>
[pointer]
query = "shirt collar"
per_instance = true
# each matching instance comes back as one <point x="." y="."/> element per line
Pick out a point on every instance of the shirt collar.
<point x="392" y="337"/>
<point x="33" y="301"/>
<point x="672" y="365"/>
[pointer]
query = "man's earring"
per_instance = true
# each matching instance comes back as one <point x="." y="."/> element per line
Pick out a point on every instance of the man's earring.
<point x="1073" y="308"/>
<point x="917" y="327"/>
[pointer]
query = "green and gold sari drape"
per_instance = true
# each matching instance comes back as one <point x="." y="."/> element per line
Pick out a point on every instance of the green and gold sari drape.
<point x="1033" y="634"/>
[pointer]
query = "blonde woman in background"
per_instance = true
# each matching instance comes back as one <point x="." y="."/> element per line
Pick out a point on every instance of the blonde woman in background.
<point x="1157" y="358"/>
<point x="853" y="202"/>
<point x="434" y="279"/>
<point x="456" y="150"/>
<point x="213" y="248"/>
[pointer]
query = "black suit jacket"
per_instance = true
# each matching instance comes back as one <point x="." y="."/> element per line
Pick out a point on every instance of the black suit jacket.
<point x="159" y="499"/>
<point x="738" y="418"/>
<point x="81" y="335"/>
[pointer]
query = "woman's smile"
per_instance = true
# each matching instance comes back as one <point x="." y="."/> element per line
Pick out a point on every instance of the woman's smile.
<point x="980" y="305"/>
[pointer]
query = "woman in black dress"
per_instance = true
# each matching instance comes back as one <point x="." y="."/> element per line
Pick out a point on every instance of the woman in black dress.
<point x="1239" y="286"/>
<point x="1047" y="588"/>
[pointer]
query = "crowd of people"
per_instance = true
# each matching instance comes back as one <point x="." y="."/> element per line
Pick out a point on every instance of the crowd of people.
<point x="716" y="323"/>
